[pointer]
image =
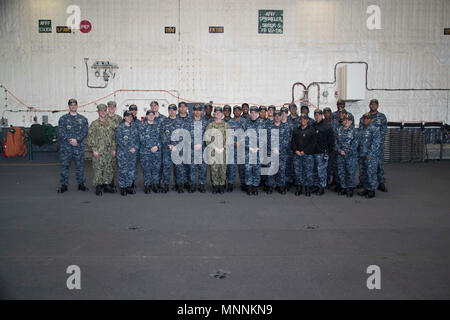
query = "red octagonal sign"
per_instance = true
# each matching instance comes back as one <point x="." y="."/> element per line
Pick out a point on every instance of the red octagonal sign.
<point x="85" y="26"/>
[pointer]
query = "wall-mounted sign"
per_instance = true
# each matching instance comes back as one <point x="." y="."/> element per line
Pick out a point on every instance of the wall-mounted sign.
<point x="169" y="29"/>
<point x="215" y="29"/>
<point x="45" y="26"/>
<point x="447" y="31"/>
<point x="85" y="26"/>
<point x="270" y="21"/>
<point x="63" y="29"/>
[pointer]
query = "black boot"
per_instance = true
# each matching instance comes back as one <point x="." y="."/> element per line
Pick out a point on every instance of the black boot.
<point x="359" y="186"/>
<point x="62" y="189"/>
<point x="166" y="188"/>
<point x="108" y="189"/>
<point x="370" y="194"/>
<point x="337" y="188"/>
<point x="214" y="189"/>
<point x="321" y="192"/>
<point x="222" y="189"/>
<point x="298" y="190"/>
<point x="146" y="189"/>
<point x="192" y="188"/>
<point x="180" y="188"/>
<point x="314" y="189"/>
<point x="98" y="190"/>
<point x="155" y="188"/>
<point x="382" y="187"/>
<point x="349" y="192"/>
<point x="133" y="185"/>
<point x="123" y="191"/>
<point x="249" y="190"/>
<point x="130" y="190"/>
<point x="255" y="191"/>
<point x="364" y="192"/>
<point x="202" y="188"/>
<point x="283" y="190"/>
<point x="308" y="191"/>
<point x="230" y="187"/>
<point x="342" y="191"/>
<point x="244" y="187"/>
<point x="269" y="190"/>
<point x="82" y="187"/>
<point x="187" y="186"/>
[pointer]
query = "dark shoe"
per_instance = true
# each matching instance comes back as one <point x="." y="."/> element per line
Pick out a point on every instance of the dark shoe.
<point x="214" y="189"/>
<point x="337" y="188"/>
<point x="108" y="189"/>
<point x="269" y="190"/>
<point x="62" y="189"/>
<point x="308" y="191"/>
<point x="349" y="192"/>
<point x="382" y="187"/>
<point x="370" y="194"/>
<point x="155" y="188"/>
<point x="364" y="192"/>
<point x="133" y="185"/>
<point x="222" y="189"/>
<point x="298" y="190"/>
<point x="82" y="187"/>
<point x="255" y="190"/>
<point x="359" y="186"/>
<point x="98" y="190"/>
<point x="249" y="190"/>
<point x="230" y="187"/>
<point x="180" y="188"/>
<point x="147" y="189"/>
<point x="342" y="191"/>
<point x="166" y="188"/>
<point x="192" y="188"/>
<point x="123" y="191"/>
<point x="130" y="190"/>
<point x="314" y="189"/>
<point x="283" y="190"/>
<point x="202" y="188"/>
<point x="321" y="192"/>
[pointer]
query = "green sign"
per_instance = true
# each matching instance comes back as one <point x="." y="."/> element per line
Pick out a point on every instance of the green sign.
<point x="45" y="26"/>
<point x="270" y="21"/>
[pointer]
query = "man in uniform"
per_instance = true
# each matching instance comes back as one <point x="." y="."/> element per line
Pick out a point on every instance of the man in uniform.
<point x="154" y="105"/>
<point x="341" y="106"/>
<point x="226" y="113"/>
<point x="150" y="151"/>
<point x="168" y="126"/>
<point x="208" y="113"/>
<point x="303" y="143"/>
<point x="270" y="110"/>
<point x="245" y="109"/>
<point x="102" y="140"/>
<point x="116" y="120"/>
<point x="369" y="148"/>
<point x="127" y="136"/>
<point x="346" y="144"/>
<point x="236" y="123"/>
<point x="252" y="151"/>
<point x="379" y="120"/>
<point x="293" y="117"/>
<point x="324" y="146"/>
<point x="197" y="127"/>
<point x="280" y="151"/>
<point x="219" y="168"/>
<point x="289" y="154"/>
<point x="72" y="130"/>
<point x="183" y="123"/>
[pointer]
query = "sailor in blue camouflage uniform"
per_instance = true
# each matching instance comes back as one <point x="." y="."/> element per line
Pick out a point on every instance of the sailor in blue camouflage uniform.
<point x="283" y="148"/>
<point x="197" y="127"/>
<point x="72" y="130"/>
<point x="331" y="168"/>
<point x="294" y="121"/>
<point x="154" y="105"/>
<point x="184" y="168"/>
<point x="303" y="143"/>
<point x="340" y="104"/>
<point x="346" y="144"/>
<point x="127" y="135"/>
<point x="379" y="120"/>
<point x="167" y="126"/>
<point x="369" y="148"/>
<point x="324" y="146"/>
<point x="133" y="109"/>
<point x="335" y="124"/>
<point x="253" y="160"/>
<point x="264" y="122"/>
<point x="236" y="124"/>
<point x="150" y="151"/>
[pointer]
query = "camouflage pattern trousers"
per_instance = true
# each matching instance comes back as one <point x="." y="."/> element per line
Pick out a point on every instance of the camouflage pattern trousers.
<point x="368" y="173"/>
<point x="127" y="168"/>
<point x="104" y="168"/>
<point x="67" y="155"/>
<point x="218" y="174"/>
<point x="320" y="170"/>
<point x="303" y="168"/>
<point x="346" y="167"/>
<point x="151" y="167"/>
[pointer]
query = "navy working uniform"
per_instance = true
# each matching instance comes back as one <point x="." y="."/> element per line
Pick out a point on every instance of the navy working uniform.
<point x="231" y="168"/>
<point x="197" y="129"/>
<point x="324" y="146"/>
<point x="303" y="139"/>
<point x="346" y="140"/>
<point x="72" y="127"/>
<point x="369" y="145"/>
<point x="127" y="138"/>
<point x="149" y="137"/>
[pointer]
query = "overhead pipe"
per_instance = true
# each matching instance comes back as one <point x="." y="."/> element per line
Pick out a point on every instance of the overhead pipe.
<point x="304" y="90"/>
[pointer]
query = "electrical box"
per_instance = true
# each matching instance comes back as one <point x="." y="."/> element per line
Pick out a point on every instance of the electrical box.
<point x="351" y="82"/>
